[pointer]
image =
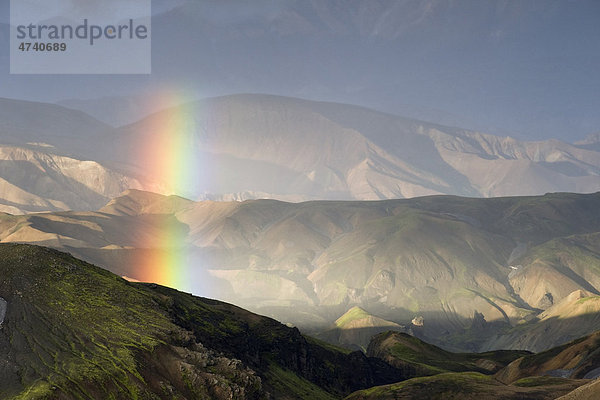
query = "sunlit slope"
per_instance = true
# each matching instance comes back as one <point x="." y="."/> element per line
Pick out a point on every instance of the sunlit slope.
<point x="470" y="386"/>
<point x="577" y="359"/>
<point x="408" y="352"/>
<point x="575" y="315"/>
<point x="516" y="374"/>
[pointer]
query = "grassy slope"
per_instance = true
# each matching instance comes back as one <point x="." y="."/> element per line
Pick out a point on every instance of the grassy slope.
<point x="524" y="377"/>
<point x="75" y="331"/>
<point x="468" y="385"/>
<point x="577" y="357"/>
<point x="405" y="351"/>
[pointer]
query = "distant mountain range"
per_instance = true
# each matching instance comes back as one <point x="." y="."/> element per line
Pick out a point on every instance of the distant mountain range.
<point x="256" y="146"/>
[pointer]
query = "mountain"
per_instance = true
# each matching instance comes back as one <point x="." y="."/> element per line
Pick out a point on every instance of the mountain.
<point x="71" y="330"/>
<point x="577" y="359"/>
<point x="546" y="375"/>
<point x="471" y="386"/>
<point x="407" y="352"/>
<point x="242" y="147"/>
<point x="35" y="179"/>
<point x="47" y="126"/>
<point x="568" y="319"/>
<point x="284" y="146"/>
<point x="590" y="142"/>
<point x="123" y="110"/>
<point x="53" y="159"/>
<point x="474" y="273"/>
<point x="356" y="328"/>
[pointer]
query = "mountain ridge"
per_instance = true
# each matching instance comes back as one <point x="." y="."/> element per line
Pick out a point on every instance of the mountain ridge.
<point x="263" y="146"/>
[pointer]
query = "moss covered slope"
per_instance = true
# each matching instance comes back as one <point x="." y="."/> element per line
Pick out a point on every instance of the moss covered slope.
<point x="75" y="331"/>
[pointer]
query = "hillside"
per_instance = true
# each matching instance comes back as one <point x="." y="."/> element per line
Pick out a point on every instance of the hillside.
<point x="471" y="386"/>
<point x="466" y="267"/>
<point x="407" y="352"/>
<point x="54" y="159"/>
<point x="569" y="370"/>
<point x="72" y="330"/>
<point x="356" y="328"/>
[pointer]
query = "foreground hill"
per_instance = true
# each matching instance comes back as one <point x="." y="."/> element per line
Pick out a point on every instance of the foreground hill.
<point x="70" y="330"/>
<point x="477" y="273"/>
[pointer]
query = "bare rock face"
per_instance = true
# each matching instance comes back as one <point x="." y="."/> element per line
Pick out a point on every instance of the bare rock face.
<point x="479" y="322"/>
<point x="380" y="285"/>
<point x="546" y="302"/>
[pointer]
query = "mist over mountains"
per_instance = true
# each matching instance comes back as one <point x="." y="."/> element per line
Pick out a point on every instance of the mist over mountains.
<point x="71" y="330"/>
<point x="258" y="146"/>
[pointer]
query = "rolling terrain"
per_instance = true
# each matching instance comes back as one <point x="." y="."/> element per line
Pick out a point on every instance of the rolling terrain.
<point x="51" y="160"/>
<point x="551" y="374"/>
<point x="467" y="270"/>
<point x="70" y="330"/>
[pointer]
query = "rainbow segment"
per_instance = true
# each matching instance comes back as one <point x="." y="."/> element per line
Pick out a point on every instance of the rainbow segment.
<point x="171" y="158"/>
<point x="171" y="151"/>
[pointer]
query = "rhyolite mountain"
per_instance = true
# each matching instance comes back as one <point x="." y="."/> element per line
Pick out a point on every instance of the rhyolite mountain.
<point x="50" y="160"/>
<point x="286" y="148"/>
<point x="258" y="146"/>
<point x="464" y="273"/>
<point x="70" y="330"/>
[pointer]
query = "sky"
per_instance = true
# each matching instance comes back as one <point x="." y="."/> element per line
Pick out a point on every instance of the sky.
<point x="527" y="69"/>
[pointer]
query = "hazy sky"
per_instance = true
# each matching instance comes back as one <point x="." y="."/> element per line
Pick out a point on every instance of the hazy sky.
<point x="525" y="68"/>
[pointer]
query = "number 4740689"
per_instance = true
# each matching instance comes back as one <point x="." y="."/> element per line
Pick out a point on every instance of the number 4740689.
<point x="25" y="46"/>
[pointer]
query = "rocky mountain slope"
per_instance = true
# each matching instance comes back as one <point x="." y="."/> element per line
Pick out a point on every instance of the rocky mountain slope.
<point x="467" y="269"/>
<point x="51" y="158"/>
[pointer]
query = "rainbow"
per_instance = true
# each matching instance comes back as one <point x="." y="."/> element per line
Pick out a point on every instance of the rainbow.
<point x="170" y="156"/>
<point x="170" y="150"/>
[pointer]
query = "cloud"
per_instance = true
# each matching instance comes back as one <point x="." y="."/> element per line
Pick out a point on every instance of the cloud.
<point x="104" y="11"/>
